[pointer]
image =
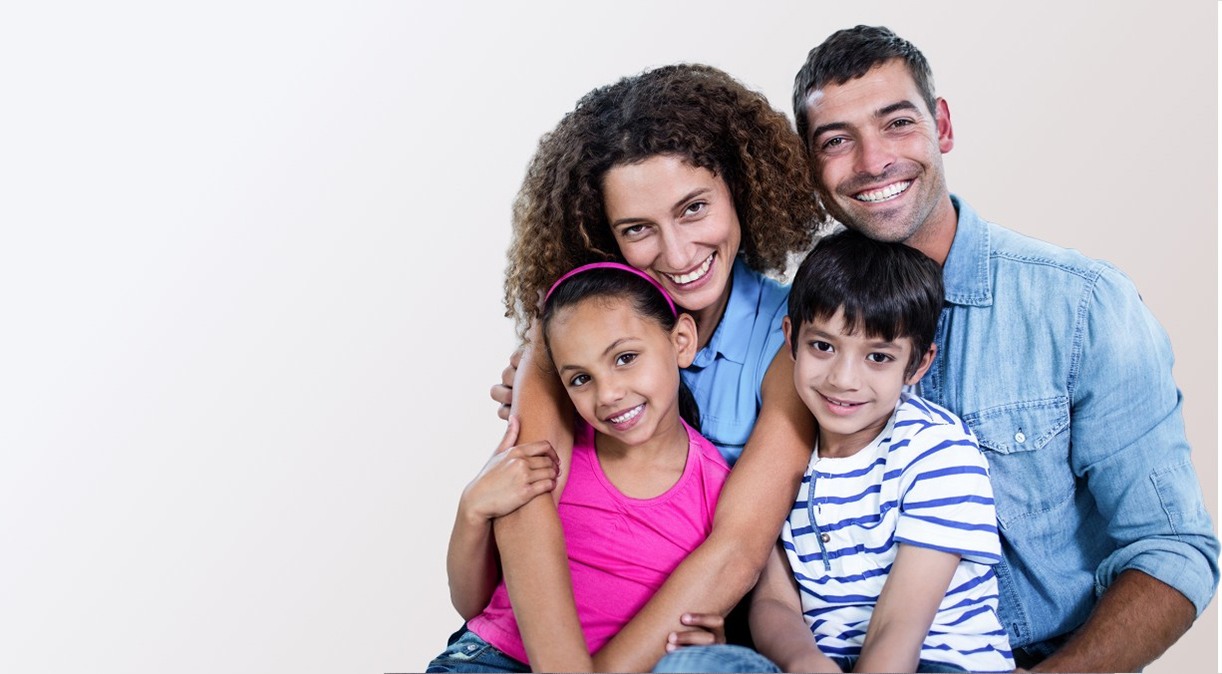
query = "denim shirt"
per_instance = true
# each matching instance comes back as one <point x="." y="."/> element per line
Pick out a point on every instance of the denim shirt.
<point x="1064" y="376"/>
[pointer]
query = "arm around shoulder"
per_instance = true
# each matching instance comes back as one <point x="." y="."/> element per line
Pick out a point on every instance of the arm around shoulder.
<point x="753" y="504"/>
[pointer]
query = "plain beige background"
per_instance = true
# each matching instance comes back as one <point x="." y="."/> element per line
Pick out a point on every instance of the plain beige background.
<point x="251" y="258"/>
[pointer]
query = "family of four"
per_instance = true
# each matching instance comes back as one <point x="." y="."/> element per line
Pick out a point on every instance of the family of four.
<point x="947" y="447"/>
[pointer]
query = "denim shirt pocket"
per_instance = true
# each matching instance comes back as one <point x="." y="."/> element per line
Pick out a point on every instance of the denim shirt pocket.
<point x="1027" y="446"/>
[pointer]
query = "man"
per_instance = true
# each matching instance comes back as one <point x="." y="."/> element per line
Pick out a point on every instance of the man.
<point x="1052" y="360"/>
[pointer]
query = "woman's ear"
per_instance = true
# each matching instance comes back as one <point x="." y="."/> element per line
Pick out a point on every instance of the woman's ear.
<point x="683" y="335"/>
<point x="923" y="366"/>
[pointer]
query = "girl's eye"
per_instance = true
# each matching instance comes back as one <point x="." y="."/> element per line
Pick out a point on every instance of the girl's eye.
<point x="879" y="358"/>
<point x="625" y="358"/>
<point x="579" y="380"/>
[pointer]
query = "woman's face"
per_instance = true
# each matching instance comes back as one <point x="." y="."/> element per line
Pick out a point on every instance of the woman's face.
<point x="677" y="223"/>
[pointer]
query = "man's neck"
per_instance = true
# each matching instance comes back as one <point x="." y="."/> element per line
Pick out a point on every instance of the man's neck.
<point x="935" y="237"/>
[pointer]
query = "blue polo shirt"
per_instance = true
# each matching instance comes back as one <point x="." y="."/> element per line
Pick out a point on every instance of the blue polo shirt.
<point x="726" y="375"/>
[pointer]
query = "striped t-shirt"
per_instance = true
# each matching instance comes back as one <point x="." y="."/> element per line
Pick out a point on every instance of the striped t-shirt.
<point x="923" y="481"/>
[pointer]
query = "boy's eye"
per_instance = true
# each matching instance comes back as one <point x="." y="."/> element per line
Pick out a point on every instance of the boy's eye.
<point x="625" y="358"/>
<point x="879" y="358"/>
<point x="579" y="380"/>
<point x="821" y="346"/>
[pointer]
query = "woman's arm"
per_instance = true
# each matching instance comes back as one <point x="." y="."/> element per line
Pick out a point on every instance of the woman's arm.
<point x="512" y="477"/>
<point x="531" y="542"/>
<point x="755" y="500"/>
<point x="777" y="626"/>
<point x="910" y="598"/>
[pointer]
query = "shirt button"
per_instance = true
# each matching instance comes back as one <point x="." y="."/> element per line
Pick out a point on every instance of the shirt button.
<point x="1019" y="437"/>
<point x="826" y="537"/>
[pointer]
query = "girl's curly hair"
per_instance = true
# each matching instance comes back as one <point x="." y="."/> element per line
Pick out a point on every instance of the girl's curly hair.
<point x="693" y="111"/>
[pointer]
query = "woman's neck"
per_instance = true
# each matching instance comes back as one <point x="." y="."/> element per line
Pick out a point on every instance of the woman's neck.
<point x="708" y="318"/>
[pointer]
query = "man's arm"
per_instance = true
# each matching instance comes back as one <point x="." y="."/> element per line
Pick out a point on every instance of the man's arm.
<point x="534" y="560"/>
<point x="753" y="504"/>
<point x="778" y="629"/>
<point x="1128" y="442"/>
<point x="1137" y="619"/>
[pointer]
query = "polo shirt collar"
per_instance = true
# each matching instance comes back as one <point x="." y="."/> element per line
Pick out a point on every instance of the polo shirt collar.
<point x="740" y="310"/>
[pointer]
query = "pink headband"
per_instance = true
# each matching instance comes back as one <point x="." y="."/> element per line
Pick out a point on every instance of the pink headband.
<point x="612" y="265"/>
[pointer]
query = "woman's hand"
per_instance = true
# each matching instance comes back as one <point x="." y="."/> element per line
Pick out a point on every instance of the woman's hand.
<point x="503" y="392"/>
<point x="513" y="476"/>
<point x="710" y="629"/>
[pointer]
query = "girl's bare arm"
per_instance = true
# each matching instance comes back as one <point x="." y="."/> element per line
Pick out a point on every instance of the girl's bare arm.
<point x="531" y="542"/>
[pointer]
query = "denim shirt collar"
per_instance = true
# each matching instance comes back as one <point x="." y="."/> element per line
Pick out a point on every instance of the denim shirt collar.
<point x="740" y="309"/>
<point x="966" y="272"/>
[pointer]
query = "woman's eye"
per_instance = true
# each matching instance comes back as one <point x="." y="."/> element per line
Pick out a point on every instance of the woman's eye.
<point x="695" y="208"/>
<point x="579" y="380"/>
<point x="625" y="358"/>
<point x="632" y="231"/>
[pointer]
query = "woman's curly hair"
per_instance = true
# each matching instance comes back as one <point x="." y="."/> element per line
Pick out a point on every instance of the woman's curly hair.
<point x="696" y="112"/>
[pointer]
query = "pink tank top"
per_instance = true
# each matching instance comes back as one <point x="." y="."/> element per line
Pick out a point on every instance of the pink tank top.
<point x="620" y="549"/>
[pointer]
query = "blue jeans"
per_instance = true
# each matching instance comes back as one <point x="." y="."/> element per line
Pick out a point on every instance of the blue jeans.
<point x="728" y="658"/>
<point x="467" y="652"/>
<point x="719" y="658"/>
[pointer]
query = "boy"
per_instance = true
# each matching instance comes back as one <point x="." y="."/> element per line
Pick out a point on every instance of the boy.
<point x="887" y="556"/>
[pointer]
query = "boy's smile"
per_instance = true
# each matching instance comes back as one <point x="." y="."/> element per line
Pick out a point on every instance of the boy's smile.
<point x="850" y="381"/>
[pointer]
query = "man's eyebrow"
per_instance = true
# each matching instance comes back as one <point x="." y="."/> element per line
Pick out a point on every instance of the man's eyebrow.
<point x="881" y="112"/>
<point x="898" y="105"/>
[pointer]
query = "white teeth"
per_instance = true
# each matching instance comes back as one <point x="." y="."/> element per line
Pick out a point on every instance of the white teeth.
<point x="630" y="414"/>
<point x="889" y="192"/>
<point x="684" y="279"/>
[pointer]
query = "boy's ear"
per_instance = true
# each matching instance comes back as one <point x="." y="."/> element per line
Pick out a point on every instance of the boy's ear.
<point x="787" y="327"/>
<point x="923" y="366"/>
<point x="684" y="338"/>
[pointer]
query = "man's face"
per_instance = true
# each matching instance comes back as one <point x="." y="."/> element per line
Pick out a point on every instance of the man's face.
<point x="877" y="153"/>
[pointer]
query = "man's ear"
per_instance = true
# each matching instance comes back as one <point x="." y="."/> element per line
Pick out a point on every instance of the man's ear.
<point x="683" y="336"/>
<point x="787" y="327"/>
<point x="946" y="133"/>
<point x="923" y="366"/>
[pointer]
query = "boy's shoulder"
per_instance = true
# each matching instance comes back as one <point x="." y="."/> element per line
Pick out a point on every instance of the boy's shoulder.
<point x="918" y="421"/>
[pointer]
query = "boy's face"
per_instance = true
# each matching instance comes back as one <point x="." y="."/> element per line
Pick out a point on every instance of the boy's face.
<point x="850" y="382"/>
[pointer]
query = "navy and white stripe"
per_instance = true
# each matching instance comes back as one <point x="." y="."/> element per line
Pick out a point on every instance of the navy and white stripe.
<point x="923" y="481"/>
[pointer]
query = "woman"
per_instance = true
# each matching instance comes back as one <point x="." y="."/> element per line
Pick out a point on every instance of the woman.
<point x="687" y="175"/>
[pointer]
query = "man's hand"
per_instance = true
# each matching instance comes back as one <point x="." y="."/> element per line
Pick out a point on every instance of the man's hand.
<point x="503" y="392"/>
<point x="710" y="629"/>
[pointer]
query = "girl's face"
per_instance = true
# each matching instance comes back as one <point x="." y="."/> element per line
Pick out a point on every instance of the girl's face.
<point x="677" y="223"/>
<point x="621" y="369"/>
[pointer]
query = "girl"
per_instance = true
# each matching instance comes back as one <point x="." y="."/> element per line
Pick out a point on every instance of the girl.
<point x="690" y="177"/>
<point x="642" y="483"/>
